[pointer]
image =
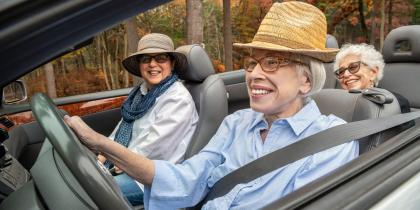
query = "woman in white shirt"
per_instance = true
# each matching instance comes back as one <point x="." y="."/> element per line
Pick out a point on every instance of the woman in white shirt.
<point x="159" y="116"/>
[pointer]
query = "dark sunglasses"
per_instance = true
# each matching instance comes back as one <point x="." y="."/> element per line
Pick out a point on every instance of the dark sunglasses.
<point x="353" y="68"/>
<point x="268" y="64"/>
<point x="160" y="58"/>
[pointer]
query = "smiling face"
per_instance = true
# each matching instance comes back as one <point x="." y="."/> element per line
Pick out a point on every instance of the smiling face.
<point x="360" y="80"/>
<point x="154" y="70"/>
<point x="277" y="94"/>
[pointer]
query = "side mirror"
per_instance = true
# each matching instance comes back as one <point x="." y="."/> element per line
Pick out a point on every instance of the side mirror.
<point x="14" y="92"/>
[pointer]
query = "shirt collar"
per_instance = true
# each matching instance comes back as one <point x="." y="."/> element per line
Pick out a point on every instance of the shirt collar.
<point x="304" y="117"/>
<point x="258" y="119"/>
<point x="298" y="122"/>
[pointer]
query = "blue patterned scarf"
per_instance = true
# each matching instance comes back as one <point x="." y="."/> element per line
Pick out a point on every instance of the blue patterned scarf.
<point x="137" y="105"/>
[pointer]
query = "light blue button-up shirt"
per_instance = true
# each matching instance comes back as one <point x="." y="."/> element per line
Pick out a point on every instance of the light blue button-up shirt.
<point x="238" y="142"/>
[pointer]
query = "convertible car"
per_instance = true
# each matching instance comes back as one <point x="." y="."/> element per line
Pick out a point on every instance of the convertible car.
<point x="44" y="166"/>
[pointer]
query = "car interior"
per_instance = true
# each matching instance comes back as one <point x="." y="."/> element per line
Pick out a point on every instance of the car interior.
<point x="208" y="92"/>
<point x="215" y="96"/>
<point x="402" y="63"/>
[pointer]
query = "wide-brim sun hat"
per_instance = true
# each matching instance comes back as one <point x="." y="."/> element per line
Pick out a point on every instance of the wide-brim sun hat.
<point x="293" y="27"/>
<point x="151" y="44"/>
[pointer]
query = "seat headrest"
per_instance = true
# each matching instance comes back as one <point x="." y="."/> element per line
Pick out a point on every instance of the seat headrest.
<point x="331" y="42"/>
<point x="397" y="40"/>
<point x="199" y="66"/>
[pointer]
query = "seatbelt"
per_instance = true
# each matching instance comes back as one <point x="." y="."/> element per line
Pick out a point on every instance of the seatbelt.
<point x="310" y="145"/>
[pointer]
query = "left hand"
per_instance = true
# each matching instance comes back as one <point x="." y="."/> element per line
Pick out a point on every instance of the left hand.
<point x="87" y="135"/>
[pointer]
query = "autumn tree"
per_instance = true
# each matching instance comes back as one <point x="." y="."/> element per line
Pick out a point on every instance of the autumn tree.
<point x="194" y="21"/>
<point x="50" y="80"/>
<point x="131" y="39"/>
<point x="227" y="34"/>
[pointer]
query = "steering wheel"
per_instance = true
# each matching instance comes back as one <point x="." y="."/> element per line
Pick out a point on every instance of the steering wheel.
<point x="80" y="160"/>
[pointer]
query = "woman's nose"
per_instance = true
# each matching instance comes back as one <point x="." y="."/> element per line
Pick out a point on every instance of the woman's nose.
<point x="153" y="62"/>
<point x="346" y="73"/>
<point x="257" y="71"/>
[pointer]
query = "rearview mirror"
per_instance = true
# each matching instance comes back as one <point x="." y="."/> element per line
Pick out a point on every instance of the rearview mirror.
<point x="14" y="92"/>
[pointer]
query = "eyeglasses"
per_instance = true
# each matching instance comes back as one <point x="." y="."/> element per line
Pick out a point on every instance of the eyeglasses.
<point x="353" y="68"/>
<point x="160" y="58"/>
<point x="268" y="64"/>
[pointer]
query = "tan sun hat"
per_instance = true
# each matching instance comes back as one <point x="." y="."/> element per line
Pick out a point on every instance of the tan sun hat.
<point x="294" y="27"/>
<point x="155" y="43"/>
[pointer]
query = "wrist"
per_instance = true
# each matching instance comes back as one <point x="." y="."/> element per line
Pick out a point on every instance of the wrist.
<point x="101" y="143"/>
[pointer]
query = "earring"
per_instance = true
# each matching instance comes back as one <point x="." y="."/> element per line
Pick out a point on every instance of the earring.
<point x="372" y="84"/>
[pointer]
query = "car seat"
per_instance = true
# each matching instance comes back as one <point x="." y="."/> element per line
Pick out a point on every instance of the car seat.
<point x="331" y="81"/>
<point x="401" y="53"/>
<point x="208" y="92"/>
<point x="354" y="107"/>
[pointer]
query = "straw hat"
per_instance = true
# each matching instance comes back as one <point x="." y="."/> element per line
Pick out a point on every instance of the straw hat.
<point x="294" y="27"/>
<point x="154" y="43"/>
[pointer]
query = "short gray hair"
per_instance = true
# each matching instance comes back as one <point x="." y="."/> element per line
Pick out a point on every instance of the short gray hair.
<point x="368" y="55"/>
<point x="315" y="72"/>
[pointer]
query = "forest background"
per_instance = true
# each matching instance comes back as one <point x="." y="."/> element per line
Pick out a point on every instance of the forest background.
<point x="97" y="67"/>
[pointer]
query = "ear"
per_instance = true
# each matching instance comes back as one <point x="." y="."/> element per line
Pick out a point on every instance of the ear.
<point x="374" y="72"/>
<point x="305" y="85"/>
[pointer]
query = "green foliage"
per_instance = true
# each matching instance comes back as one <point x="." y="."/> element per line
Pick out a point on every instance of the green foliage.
<point x="416" y="15"/>
<point x="168" y="19"/>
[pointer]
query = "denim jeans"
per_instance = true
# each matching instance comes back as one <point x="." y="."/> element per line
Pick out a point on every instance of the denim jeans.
<point x="130" y="189"/>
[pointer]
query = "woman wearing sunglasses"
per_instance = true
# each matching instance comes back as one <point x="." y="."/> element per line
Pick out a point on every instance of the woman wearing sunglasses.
<point x="159" y="115"/>
<point x="358" y="66"/>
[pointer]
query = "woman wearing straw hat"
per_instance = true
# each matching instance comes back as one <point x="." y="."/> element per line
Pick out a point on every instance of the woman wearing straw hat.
<point x="283" y="69"/>
<point x="159" y="116"/>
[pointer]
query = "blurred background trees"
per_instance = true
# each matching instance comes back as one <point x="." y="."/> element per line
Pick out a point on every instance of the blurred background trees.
<point x="215" y="24"/>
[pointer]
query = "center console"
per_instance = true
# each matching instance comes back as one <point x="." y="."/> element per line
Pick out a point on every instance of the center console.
<point x="12" y="174"/>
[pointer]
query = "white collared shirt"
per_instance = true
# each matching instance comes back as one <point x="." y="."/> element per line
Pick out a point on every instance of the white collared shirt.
<point x="165" y="131"/>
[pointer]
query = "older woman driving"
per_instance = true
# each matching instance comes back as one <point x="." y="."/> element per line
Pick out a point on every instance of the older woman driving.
<point x="159" y="116"/>
<point x="283" y="68"/>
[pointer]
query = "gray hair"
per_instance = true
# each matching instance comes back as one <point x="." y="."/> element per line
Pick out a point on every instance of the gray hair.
<point x="368" y="55"/>
<point x="315" y="72"/>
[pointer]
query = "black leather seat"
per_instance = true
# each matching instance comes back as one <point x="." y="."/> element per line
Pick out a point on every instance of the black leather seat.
<point x="208" y="92"/>
<point x="401" y="53"/>
<point x="354" y="107"/>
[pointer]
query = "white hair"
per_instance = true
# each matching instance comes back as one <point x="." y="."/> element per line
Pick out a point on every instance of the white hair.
<point x="368" y="55"/>
<point x="315" y="73"/>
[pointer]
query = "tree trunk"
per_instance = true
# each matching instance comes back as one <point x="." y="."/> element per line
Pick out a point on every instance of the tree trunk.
<point x="50" y="79"/>
<point x="131" y="46"/>
<point x="81" y="61"/>
<point x="389" y="28"/>
<point x="115" y="70"/>
<point x="381" y="36"/>
<point x="362" y="20"/>
<point x="103" y="50"/>
<point x="194" y="21"/>
<point x="373" y="26"/>
<point x="227" y="35"/>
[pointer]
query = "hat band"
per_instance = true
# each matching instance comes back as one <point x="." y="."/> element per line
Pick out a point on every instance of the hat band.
<point x="282" y="42"/>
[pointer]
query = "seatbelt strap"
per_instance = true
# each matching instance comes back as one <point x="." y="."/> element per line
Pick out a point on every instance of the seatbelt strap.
<point x="307" y="146"/>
